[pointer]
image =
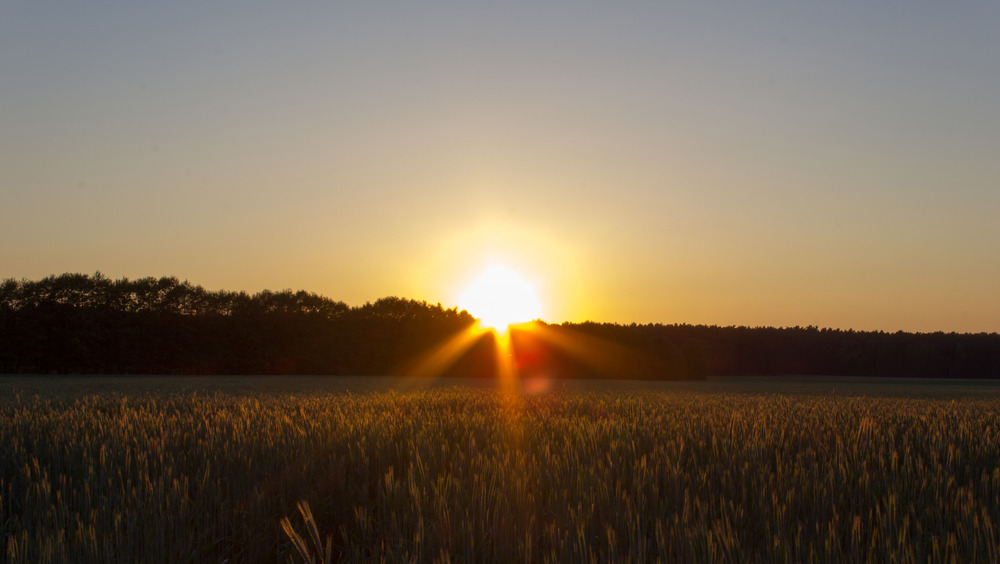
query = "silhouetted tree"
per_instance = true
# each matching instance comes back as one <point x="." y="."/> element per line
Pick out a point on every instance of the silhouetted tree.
<point x="77" y="323"/>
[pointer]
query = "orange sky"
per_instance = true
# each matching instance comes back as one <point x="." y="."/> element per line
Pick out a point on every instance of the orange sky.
<point x="723" y="164"/>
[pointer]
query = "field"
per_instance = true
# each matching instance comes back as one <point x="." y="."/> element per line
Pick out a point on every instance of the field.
<point x="205" y="469"/>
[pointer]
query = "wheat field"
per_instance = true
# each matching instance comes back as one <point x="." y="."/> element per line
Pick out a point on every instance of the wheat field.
<point x="471" y="474"/>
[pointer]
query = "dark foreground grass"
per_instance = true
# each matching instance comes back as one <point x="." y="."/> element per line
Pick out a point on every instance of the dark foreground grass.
<point x="481" y="475"/>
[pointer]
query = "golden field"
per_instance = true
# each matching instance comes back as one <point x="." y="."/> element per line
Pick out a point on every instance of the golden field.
<point x="202" y="473"/>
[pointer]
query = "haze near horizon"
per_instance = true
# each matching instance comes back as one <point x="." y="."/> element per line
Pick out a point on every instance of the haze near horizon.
<point x="730" y="164"/>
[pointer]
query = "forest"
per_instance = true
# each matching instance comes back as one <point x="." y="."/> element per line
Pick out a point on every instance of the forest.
<point x="91" y="324"/>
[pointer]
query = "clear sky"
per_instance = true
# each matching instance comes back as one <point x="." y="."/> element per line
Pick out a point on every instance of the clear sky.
<point x="731" y="163"/>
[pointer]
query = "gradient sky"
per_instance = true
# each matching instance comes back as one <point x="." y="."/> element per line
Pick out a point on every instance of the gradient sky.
<point x="731" y="163"/>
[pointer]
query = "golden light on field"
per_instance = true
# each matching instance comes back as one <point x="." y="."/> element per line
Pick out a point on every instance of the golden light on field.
<point x="500" y="298"/>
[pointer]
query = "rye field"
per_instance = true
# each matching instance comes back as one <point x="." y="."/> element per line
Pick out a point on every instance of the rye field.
<point x="751" y="470"/>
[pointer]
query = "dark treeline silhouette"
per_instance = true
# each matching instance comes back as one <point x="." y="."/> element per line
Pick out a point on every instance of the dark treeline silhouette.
<point x="76" y="323"/>
<point x="90" y="324"/>
<point x="749" y="351"/>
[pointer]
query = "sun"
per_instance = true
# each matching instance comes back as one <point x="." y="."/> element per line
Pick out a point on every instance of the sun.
<point x="500" y="298"/>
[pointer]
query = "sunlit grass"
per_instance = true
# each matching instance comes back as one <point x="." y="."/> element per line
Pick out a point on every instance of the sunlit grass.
<point x="488" y="475"/>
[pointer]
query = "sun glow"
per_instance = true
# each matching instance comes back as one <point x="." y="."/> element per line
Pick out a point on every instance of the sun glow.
<point x="500" y="298"/>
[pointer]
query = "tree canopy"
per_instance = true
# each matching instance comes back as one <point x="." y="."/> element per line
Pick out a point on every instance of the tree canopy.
<point x="79" y="323"/>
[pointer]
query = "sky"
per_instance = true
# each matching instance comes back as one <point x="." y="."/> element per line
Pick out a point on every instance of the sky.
<point x="727" y="163"/>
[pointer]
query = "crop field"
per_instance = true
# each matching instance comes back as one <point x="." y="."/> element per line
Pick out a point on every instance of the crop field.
<point x="207" y="470"/>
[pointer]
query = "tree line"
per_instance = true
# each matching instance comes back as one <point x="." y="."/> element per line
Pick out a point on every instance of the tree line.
<point x="91" y="324"/>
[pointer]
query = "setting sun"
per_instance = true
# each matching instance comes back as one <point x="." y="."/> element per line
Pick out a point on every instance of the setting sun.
<point x="499" y="298"/>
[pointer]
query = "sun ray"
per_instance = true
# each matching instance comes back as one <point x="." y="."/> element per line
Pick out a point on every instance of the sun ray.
<point x="440" y="359"/>
<point x="507" y="373"/>
<point x="593" y="352"/>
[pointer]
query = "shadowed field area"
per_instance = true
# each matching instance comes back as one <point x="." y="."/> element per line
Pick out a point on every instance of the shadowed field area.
<point x="204" y="469"/>
<point x="810" y="385"/>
